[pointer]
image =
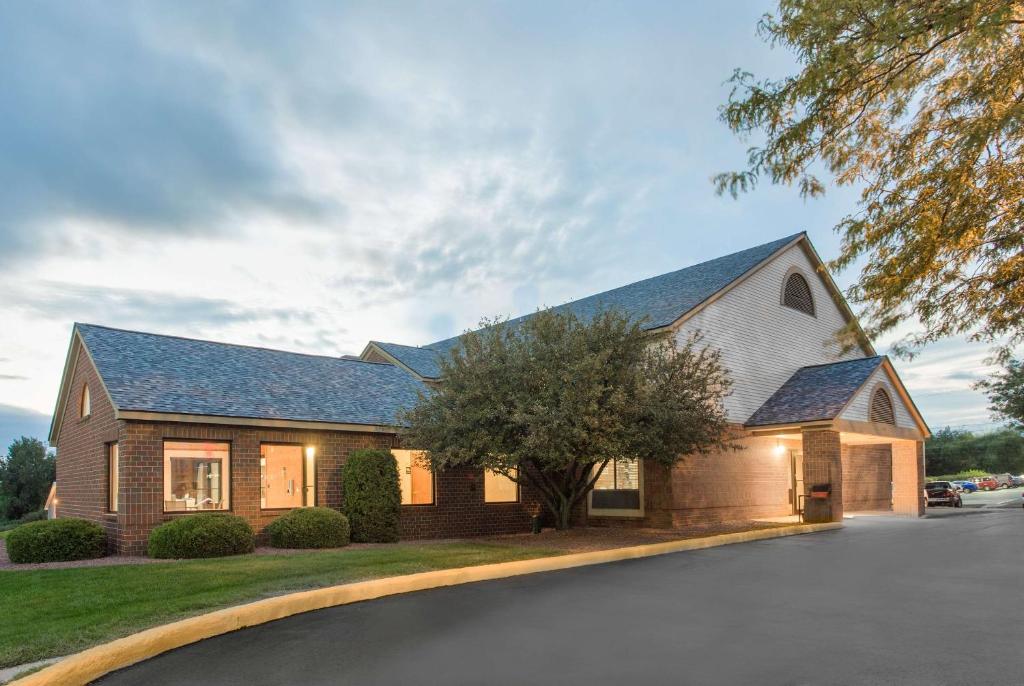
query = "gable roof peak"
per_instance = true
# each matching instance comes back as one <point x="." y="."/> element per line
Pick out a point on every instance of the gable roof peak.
<point x="664" y="299"/>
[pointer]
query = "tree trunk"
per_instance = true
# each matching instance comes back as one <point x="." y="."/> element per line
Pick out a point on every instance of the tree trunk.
<point x="563" y="517"/>
<point x="560" y="492"/>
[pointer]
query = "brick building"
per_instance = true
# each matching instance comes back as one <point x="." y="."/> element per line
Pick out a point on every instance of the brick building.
<point x="150" y="427"/>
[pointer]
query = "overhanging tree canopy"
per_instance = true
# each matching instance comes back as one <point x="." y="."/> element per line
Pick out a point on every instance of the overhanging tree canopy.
<point x="921" y="105"/>
<point x="1006" y="393"/>
<point x="551" y="400"/>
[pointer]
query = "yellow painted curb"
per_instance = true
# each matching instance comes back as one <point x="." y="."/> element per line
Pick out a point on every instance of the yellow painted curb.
<point x="81" y="668"/>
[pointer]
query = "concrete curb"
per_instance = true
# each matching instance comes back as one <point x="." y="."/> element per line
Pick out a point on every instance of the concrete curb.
<point x="81" y="668"/>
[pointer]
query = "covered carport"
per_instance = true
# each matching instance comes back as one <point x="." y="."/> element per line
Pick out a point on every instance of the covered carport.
<point x="860" y="434"/>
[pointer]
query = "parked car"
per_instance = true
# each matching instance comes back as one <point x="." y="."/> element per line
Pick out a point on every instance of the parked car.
<point x="1004" y="480"/>
<point x="942" y="493"/>
<point x="1018" y="481"/>
<point x="986" y="483"/>
<point x="966" y="486"/>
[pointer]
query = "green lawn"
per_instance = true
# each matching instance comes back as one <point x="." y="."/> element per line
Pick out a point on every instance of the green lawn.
<point x="59" y="611"/>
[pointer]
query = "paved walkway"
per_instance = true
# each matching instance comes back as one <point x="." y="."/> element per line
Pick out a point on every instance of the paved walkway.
<point x="884" y="601"/>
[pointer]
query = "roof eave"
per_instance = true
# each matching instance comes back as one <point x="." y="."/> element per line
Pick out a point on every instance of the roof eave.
<point x="70" y="366"/>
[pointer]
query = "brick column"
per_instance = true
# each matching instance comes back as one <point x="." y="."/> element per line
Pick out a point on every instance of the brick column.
<point x="823" y="463"/>
<point x="908" y="477"/>
<point x="141" y="495"/>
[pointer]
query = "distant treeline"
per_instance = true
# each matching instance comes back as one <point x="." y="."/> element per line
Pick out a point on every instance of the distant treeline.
<point x="953" y="452"/>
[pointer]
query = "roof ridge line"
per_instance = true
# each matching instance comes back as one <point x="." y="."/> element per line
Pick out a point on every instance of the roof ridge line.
<point x="225" y="344"/>
<point x="782" y="240"/>
<point x="830" y="364"/>
<point x="402" y="345"/>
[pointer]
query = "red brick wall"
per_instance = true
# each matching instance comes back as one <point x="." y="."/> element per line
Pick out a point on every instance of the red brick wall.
<point x="823" y="464"/>
<point x="734" y="485"/>
<point x="82" y="451"/>
<point x="867" y="477"/>
<point x="458" y="510"/>
<point x="908" y="477"/>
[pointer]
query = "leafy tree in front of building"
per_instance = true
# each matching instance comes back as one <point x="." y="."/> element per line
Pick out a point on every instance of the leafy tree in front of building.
<point x="918" y="105"/>
<point x="1006" y="392"/>
<point x="550" y="400"/>
<point x="26" y="474"/>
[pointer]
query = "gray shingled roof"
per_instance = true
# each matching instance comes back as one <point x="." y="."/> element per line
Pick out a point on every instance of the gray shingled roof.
<point x="153" y="373"/>
<point x="815" y="393"/>
<point x="664" y="299"/>
<point x="423" y="361"/>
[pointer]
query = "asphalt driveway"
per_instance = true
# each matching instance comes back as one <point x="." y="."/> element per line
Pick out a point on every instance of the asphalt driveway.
<point x="884" y="601"/>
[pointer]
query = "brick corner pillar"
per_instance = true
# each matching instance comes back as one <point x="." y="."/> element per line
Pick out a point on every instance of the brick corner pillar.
<point x="141" y="492"/>
<point x="823" y="463"/>
<point x="908" y="477"/>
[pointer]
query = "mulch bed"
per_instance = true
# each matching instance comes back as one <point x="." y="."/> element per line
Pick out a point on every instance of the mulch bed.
<point x="578" y="540"/>
<point x="5" y="562"/>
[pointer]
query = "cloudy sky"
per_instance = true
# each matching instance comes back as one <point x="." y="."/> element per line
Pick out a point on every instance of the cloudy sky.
<point x="308" y="176"/>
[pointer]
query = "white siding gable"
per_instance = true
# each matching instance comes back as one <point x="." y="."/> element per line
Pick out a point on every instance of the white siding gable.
<point x="858" y="409"/>
<point x="762" y="342"/>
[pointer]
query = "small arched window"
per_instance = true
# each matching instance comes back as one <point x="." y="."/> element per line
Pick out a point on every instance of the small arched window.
<point x="86" y="405"/>
<point x="881" y="408"/>
<point x="797" y="294"/>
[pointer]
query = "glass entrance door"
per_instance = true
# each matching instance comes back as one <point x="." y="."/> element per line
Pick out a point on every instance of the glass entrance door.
<point x="796" y="460"/>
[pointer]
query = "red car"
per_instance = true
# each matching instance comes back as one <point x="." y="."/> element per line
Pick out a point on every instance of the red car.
<point x="986" y="483"/>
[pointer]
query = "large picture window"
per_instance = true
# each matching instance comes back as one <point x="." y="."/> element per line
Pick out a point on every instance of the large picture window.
<point x="498" y="488"/>
<point x="414" y="477"/>
<point x="113" y="477"/>
<point x="197" y="476"/>
<point x="287" y="476"/>
<point x="618" y="487"/>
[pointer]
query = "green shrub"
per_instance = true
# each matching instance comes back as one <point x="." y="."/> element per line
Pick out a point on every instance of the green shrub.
<point x="37" y="516"/>
<point x="309" y="527"/>
<point x="56" y="540"/>
<point x="210" y="534"/>
<point x="373" y="498"/>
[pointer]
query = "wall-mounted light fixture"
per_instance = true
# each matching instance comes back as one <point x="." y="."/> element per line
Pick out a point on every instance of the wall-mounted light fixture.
<point x="310" y="452"/>
<point x="779" y="448"/>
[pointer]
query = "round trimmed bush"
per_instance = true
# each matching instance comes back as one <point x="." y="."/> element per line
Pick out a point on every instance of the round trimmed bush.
<point x="373" y="498"/>
<point x="56" y="540"/>
<point x="309" y="527"/>
<point x="210" y="534"/>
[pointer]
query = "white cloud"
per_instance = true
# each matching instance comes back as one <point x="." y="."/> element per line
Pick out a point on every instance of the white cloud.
<point x="312" y="176"/>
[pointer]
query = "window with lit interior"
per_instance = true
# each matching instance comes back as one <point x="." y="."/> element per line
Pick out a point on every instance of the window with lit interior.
<point x="85" y="406"/>
<point x="197" y="476"/>
<point x="618" y="487"/>
<point x="287" y="476"/>
<point x="414" y="477"/>
<point x="113" y="477"/>
<point x="498" y="488"/>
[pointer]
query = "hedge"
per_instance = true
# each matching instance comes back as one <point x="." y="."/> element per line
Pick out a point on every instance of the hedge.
<point x="210" y="534"/>
<point x="56" y="540"/>
<point x="309" y="527"/>
<point x="37" y="516"/>
<point x="373" y="498"/>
